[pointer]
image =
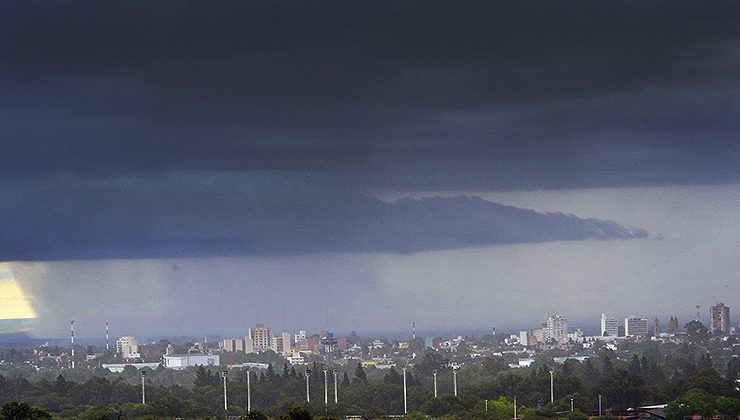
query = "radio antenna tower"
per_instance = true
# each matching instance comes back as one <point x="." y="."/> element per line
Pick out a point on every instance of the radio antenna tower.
<point x="107" y="342"/>
<point x="72" y="338"/>
<point x="697" y="312"/>
<point x="413" y="330"/>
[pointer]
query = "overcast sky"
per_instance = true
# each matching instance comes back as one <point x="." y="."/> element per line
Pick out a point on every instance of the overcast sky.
<point x="245" y="140"/>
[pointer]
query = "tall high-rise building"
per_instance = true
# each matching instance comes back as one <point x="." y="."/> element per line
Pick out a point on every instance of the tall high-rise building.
<point x="557" y="329"/>
<point x="719" y="319"/>
<point x="259" y="339"/>
<point x="635" y="326"/>
<point x="282" y="344"/>
<point x="609" y="326"/>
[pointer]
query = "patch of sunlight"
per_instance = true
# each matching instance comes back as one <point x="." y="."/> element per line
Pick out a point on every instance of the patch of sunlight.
<point x="13" y="302"/>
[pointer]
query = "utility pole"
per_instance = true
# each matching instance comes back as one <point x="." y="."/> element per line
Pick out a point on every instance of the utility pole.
<point x="514" y="407"/>
<point x="599" y="405"/>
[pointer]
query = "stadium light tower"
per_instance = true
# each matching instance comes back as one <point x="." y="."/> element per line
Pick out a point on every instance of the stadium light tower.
<point x="434" y="373"/>
<point x="336" y="393"/>
<point x="308" y="392"/>
<point x="454" y="379"/>
<point x="225" y="373"/>
<point x="143" y="392"/>
<point x="249" y="394"/>
<point x="405" y="409"/>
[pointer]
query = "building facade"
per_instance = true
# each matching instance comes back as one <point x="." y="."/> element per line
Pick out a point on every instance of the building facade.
<point x="557" y="329"/>
<point x="259" y="339"/>
<point x="719" y="319"/>
<point x="232" y="344"/>
<point x="609" y="326"/>
<point x="636" y="326"/>
<point x="127" y="347"/>
<point x="182" y="361"/>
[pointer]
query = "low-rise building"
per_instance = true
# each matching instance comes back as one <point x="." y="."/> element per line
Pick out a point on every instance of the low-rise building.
<point x="182" y="361"/>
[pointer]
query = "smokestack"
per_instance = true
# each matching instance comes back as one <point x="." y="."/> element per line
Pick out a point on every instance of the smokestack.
<point x="72" y="337"/>
<point x="107" y="343"/>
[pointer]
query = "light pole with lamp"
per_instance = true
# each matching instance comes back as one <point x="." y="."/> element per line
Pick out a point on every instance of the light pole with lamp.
<point x="249" y="394"/>
<point x="226" y="405"/>
<point x="571" y="405"/>
<point x="514" y="407"/>
<point x="308" y="392"/>
<point x="336" y="392"/>
<point x="143" y="392"/>
<point x="326" y="386"/>
<point x="552" y="389"/>
<point x="454" y="379"/>
<point x="599" y="405"/>
<point x="405" y="410"/>
<point x="434" y="372"/>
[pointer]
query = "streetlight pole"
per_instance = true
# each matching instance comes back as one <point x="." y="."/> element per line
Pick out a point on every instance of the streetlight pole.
<point x="552" y="389"/>
<point x="226" y="405"/>
<point x="434" y="372"/>
<point x="249" y="394"/>
<point x="336" y="392"/>
<point x="454" y="379"/>
<point x="326" y="386"/>
<point x="571" y="404"/>
<point x="143" y="392"/>
<point x="514" y="407"/>
<point x="405" y="410"/>
<point x="308" y="392"/>
<point x="599" y="405"/>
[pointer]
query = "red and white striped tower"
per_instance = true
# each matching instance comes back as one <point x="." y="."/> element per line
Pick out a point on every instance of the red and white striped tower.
<point x="72" y="337"/>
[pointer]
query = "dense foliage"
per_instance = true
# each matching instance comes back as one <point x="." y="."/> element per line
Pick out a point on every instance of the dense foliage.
<point x="685" y="376"/>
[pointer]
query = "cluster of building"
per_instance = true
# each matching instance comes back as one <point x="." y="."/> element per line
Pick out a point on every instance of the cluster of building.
<point x="293" y="347"/>
<point x="554" y="331"/>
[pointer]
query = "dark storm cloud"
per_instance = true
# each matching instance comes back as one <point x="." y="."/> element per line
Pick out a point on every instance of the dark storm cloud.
<point x="201" y="128"/>
<point x="495" y="95"/>
<point x="207" y="216"/>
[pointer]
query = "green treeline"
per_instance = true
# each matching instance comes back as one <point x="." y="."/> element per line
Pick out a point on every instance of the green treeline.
<point x="685" y="376"/>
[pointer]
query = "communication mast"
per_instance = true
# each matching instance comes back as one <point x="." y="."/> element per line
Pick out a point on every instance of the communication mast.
<point x="72" y="338"/>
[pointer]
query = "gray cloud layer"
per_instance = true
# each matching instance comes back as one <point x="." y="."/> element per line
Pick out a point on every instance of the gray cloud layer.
<point x="417" y="95"/>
